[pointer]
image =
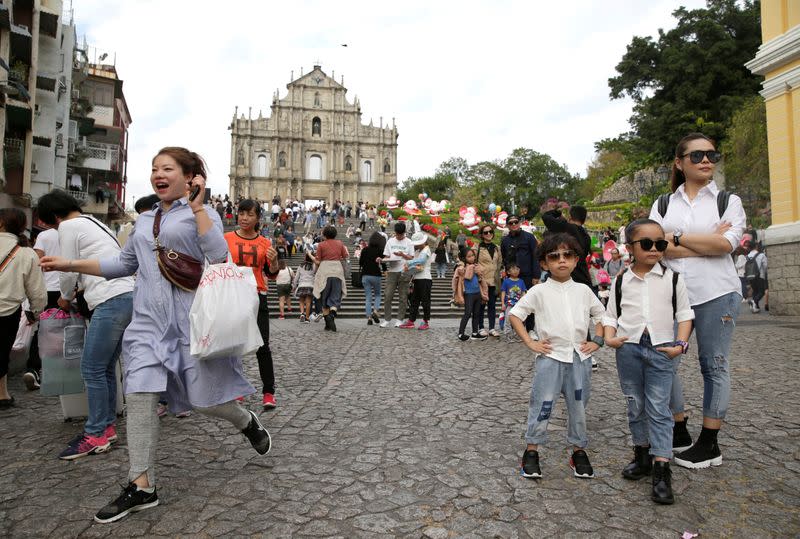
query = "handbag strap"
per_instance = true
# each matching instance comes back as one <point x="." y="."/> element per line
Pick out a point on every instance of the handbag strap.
<point x="7" y="260"/>
<point x="103" y="228"/>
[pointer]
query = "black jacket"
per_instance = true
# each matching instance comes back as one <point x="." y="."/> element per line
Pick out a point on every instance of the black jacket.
<point x="521" y="249"/>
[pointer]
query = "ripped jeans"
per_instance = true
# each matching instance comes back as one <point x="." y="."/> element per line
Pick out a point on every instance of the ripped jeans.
<point x="551" y="379"/>
<point x="714" y="322"/>
<point x="645" y="376"/>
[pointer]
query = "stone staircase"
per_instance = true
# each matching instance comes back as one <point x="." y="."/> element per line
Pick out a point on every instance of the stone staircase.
<point x="353" y="304"/>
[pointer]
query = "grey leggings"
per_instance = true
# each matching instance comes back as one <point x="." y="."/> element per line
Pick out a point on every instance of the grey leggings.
<point x="143" y="426"/>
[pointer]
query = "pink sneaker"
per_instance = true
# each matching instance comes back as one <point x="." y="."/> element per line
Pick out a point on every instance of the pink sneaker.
<point x="408" y="324"/>
<point x="424" y="325"/>
<point x="111" y="433"/>
<point x="85" y="445"/>
<point x="268" y="402"/>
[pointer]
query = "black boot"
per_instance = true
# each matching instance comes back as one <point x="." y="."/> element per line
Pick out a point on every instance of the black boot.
<point x="662" y="483"/>
<point x="681" y="439"/>
<point x="704" y="453"/>
<point x="640" y="466"/>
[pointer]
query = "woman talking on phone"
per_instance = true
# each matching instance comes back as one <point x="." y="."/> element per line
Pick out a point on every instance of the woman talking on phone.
<point x="156" y="343"/>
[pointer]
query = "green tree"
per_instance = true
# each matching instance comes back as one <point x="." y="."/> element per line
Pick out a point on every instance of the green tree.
<point x="693" y="77"/>
<point x="746" y="159"/>
<point x="536" y="177"/>
<point x="605" y="168"/>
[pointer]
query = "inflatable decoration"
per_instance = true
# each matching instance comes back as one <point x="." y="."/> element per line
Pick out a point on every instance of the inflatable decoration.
<point x="428" y="203"/>
<point x="500" y="220"/>
<point x="470" y="220"/>
<point x="392" y="203"/>
<point x="410" y="208"/>
<point x="492" y="207"/>
<point x="445" y="205"/>
<point x="607" y="247"/>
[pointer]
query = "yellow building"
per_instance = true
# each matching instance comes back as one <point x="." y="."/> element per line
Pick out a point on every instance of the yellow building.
<point x="778" y="60"/>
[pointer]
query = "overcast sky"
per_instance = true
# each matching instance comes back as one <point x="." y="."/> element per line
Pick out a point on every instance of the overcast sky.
<point x="473" y="79"/>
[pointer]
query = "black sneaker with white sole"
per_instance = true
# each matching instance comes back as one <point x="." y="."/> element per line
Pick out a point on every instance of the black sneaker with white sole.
<point x="259" y="436"/>
<point x="463" y="337"/>
<point x="478" y="337"/>
<point x="700" y="455"/>
<point x="131" y="500"/>
<point x="530" y="464"/>
<point x="581" y="467"/>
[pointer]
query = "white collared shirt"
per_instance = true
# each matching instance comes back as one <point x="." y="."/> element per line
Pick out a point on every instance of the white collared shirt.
<point x="647" y="304"/>
<point x="563" y="311"/>
<point x="707" y="277"/>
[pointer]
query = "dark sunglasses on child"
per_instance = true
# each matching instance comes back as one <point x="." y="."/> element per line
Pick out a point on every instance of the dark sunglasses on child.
<point x="696" y="156"/>
<point x="488" y="232"/>
<point x="556" y="255"/>
<point x="647" y="244"/>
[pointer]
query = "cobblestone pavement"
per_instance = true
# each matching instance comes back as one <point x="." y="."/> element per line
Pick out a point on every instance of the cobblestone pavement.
<point x="388" y="432"/>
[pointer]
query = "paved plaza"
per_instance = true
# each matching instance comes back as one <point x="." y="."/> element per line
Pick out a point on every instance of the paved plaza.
<point x="400" y="433"/>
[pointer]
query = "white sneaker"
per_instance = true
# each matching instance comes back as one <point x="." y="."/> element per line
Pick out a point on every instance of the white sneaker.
<point x="398" y="323"/>
<point x="755" y="310"/>
<point x="483" y="333"/>
<point x="385" y="323"/>
<point x="494" y="333"/>
<point x="595" y="366"/>
<point x="314" y="317"/>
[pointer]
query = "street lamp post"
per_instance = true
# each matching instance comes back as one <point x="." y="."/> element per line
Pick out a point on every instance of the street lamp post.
<point x="662" y="173"/>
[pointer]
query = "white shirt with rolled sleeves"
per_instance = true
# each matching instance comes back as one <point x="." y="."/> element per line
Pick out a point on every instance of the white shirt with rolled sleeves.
<point x="563" y="312"/>
<point x="707" y="277"/>
<point x="647" y="304"/>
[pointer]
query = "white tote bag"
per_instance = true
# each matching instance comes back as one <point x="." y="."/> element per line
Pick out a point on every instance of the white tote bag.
<point x="223" y="315"/>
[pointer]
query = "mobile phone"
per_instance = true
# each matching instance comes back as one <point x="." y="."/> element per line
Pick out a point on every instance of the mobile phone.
<point x="195" y="192"/>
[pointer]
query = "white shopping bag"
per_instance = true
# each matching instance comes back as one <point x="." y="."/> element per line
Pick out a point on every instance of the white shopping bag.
<point x="223" y="315"/>
<point x="25" y="333"/>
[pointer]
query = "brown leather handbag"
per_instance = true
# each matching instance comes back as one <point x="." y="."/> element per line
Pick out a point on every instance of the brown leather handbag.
<point x="180" y="269"/>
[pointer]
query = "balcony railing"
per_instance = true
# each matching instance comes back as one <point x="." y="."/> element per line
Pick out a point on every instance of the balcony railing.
<point x="101" y="156"/>
<point x="13" y="152"/>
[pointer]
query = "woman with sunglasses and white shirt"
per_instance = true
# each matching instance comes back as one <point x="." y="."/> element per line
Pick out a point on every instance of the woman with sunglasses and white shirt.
<point x="700" y="243"/>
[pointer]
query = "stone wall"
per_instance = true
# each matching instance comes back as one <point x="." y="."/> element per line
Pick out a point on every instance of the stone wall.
<point x="643" y="182"/>
<point x="784" y="278"/>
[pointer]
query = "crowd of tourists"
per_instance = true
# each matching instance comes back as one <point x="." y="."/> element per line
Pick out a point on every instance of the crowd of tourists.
<point x="686" y="269"/>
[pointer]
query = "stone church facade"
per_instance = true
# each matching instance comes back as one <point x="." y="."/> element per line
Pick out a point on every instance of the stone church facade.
<point x="313" y="146"/>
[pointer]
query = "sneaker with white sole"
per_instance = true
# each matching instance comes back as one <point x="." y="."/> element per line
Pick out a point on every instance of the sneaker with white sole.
<point x="111" y="433"/>
<point x="530" y="464"/>
<point x="483" y="333"/>
<point x="479" y="337"/>
<point x="257" y="435"/>
<point x="84" y="445"/>
<point x="131" y="500"/>
<point x="385" y="323"/>
<point x="581" y="467"/>
<point x="700" y="455"/>
<point x="494" y="333"/>
<point x="398" y="323"/>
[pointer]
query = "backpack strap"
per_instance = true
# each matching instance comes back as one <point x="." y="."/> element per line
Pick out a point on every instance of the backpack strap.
<point x="618" y="293"/>
<point x="722" y="202"/>
<point x="9" y="257"/>
<point x="663" y="203"/>
<point x="674" y="294"/>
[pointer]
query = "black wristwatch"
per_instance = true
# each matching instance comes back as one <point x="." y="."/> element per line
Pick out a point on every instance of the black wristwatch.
<point x="599" y="341"/>
<point x="676" y="238"/>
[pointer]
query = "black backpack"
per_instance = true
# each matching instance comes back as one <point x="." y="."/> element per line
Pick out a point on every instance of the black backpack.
<point x="618" y="291"/>
<point x="722" y="203"/>
<point x="751" y="270"/>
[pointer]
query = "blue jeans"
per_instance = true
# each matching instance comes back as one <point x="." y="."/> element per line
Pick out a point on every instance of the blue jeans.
<point x="372" y="291"/>
<point x="551" y="378"/>
<point x="714" y="322"/>
<point x="490" y="306"/>
<point x="99" y="360"/>
<point x="645" y="376"/>
<point x="441" y="269"/>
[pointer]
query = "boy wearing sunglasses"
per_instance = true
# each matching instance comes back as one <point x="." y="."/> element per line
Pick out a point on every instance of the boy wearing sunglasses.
<point x="638" y="323"/>
<point x="563" y="310"/>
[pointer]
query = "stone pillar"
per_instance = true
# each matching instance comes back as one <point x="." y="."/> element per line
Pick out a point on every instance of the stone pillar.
<point x="777" y="61"/>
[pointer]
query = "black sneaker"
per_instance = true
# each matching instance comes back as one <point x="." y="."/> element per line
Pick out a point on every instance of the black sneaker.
<point x="530" y="464"/>
<point x="478" y="337"/>
<point x="131" y="500"/>
<point x="259" y="436"/>
<point x="681" y="439"/>
<point x="376" y="318"/>
<point x="662" y="484"/>
<point x="640" y="466"/>
<point x="32" y="380"/>
<point x="579" y="462"/>
<point x="463" y="337"/>
<point x="369" y="321"/>
<point x="700" y="456"/>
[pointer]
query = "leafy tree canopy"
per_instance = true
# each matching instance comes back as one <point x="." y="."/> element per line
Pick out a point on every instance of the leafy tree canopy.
<point x="691" y="78"/>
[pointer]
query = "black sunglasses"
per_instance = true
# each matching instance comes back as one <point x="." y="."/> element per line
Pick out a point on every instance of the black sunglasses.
<point x="488" y="232"/>
<point x="647" y="244"/>
<point x="513" y="222"/>
<point x="555" y="256"/>
<point x="697" y="156"/>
